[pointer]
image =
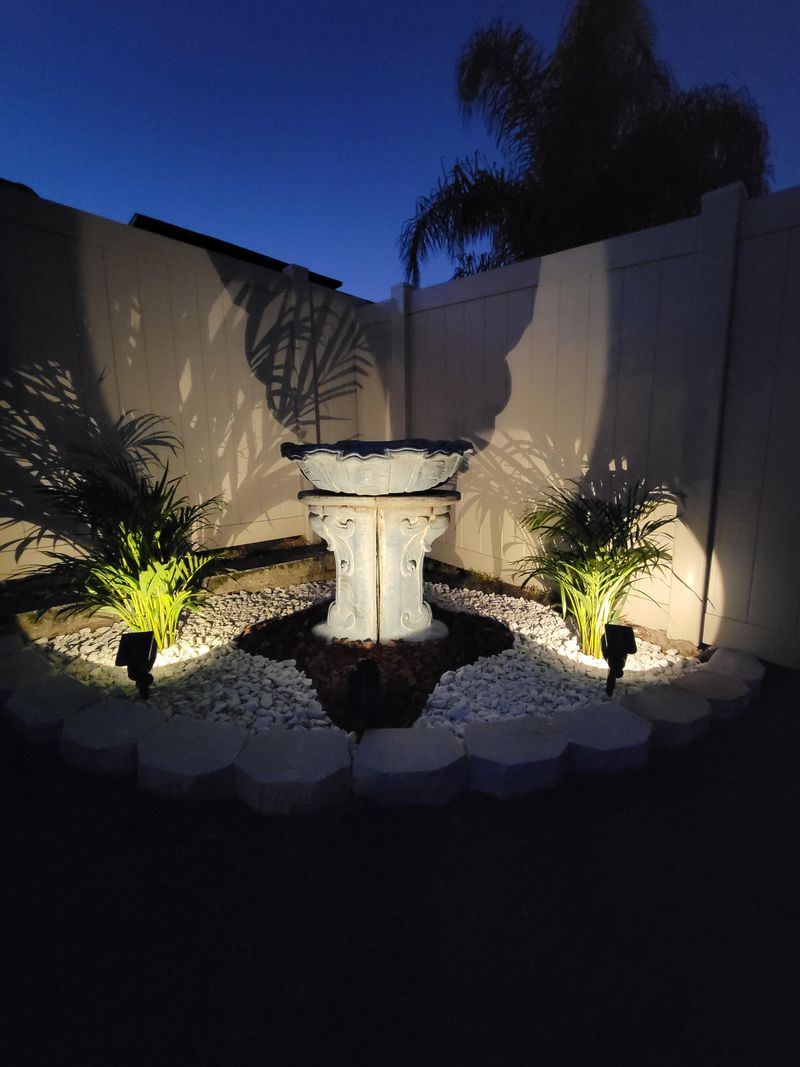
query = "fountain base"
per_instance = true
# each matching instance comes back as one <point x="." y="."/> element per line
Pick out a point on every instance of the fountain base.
<point x="379" y="543"/>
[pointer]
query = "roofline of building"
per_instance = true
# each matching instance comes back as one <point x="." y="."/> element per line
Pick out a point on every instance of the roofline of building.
<point x="225" y="248"/>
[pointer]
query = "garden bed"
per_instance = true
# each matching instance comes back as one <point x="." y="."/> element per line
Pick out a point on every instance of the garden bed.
<point x="206" y="675"/>
<point x="407" y="672"/>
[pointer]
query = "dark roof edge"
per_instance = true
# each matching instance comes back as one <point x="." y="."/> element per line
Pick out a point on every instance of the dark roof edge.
<point x="225" y="248"/>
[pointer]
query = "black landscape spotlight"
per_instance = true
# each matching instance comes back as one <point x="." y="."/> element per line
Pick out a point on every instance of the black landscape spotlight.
<point x="364" y="691"/>
<point x="616" y="645"/>
<point x="137" y="652"/>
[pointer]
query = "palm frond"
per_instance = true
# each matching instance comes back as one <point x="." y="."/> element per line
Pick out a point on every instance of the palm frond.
<point x="499" y="74"/>
<point x="133" y="548"/>
<point x="468" y="204"/>
<point x="595" y="549"/>
<point x="598" y="137"/>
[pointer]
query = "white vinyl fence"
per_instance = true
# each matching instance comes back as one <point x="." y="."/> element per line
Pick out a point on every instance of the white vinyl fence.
<point x="98" y="318"/>
<point x="670" y="354"/>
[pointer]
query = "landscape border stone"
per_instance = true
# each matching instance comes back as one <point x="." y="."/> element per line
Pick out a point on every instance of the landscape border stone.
<point x="284" y="772"/>
<point x="37" y="710"/>
<point x="189" y="758"/>
<point x="416" y="766"/>
<point x="26" y="667"/>
<point x="678" y="716"/>
<point x="281" y="771"/>
<point x="103" y="738"/>
<point x="605" y="738"/>
<point x="737" y="664"/>
<point x="508" y="759"/>
<point x="728" y="696"/>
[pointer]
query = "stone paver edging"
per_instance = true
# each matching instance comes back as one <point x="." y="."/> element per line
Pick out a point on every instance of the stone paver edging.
<point x="103" y="737"/>
<point x="423" y="766"/>
<point x="189" y="758"/>
<point x="282" y="771"/>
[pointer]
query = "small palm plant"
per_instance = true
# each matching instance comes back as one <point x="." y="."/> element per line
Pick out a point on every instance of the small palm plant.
<point x="131" y="535"/>
<point x="595" y="549"/>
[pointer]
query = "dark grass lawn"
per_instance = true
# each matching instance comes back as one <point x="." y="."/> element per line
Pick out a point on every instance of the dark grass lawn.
<point x="648" y="918"/>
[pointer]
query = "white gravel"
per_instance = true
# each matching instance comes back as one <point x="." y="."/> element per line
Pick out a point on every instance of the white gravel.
<point x="205" y="676"/>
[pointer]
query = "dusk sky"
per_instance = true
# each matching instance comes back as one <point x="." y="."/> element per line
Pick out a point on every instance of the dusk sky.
<point x="307" y="130"/>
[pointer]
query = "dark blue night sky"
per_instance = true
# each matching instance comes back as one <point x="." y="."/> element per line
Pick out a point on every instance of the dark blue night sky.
<point x="307" y="130"/>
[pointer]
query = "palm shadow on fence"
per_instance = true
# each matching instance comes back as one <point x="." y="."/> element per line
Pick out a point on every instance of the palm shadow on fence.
<point x="43" y="412"/>
<point x="505" y="479"/>
<point x="303" y="345"/>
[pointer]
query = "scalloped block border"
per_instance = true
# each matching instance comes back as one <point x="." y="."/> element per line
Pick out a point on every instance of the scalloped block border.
<point x="284" y="775"/>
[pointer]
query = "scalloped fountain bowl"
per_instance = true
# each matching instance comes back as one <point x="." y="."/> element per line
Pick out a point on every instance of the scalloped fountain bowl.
<point x="379" y="468"/>
<point x="376" y="507"/>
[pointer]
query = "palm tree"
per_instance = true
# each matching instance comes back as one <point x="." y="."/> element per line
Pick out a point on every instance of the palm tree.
<point x="598" y="141"/>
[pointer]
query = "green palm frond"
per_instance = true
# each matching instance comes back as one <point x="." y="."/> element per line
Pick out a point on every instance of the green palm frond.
<point x="133" y="545"/>
<point x="594" y="549"/>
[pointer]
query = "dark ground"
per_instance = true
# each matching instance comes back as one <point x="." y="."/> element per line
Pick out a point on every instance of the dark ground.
<point x="650" y="918"/>
<point x="404" y="672"/>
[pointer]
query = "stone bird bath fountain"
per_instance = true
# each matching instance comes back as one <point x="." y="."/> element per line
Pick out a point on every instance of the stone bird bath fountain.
<point x="377" y="507"/>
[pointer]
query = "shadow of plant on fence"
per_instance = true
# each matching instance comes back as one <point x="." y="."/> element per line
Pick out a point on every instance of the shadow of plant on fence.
<point x="503" y="480"/>
<point x="41" y="414"/>
<point x="302" y="343"/>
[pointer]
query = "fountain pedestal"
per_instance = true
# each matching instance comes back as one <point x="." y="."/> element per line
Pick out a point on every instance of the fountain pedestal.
<point x="379" y="543"/>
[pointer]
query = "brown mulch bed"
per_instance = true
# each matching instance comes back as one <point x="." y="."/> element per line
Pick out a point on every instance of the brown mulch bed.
<point x="408" y="671"/>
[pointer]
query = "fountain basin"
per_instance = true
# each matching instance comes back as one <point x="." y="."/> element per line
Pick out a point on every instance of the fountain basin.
<point x="375" y="505"/>
<point x="378" y="468"/>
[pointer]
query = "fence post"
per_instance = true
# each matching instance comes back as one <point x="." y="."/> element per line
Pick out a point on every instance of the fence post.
<point x="715" y="279"/>
<point x="398" y="386"/>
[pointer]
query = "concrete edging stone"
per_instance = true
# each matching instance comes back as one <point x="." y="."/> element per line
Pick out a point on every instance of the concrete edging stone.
<point x="283" y="771"/>
<point x="37" y="709"/>
<point x="678" y="717"/>
<point x="605" y="737"/>
<point x="102" y="738"/>
<point x="189" y="758"/>
<point x="508" y="759"/>
<point x="409" y="766"/>
<point x="728" y="696"/>
<point x="279" y="771"/>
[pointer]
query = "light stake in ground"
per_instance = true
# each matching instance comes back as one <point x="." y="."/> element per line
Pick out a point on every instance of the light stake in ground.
<point x="364" y="691"/>
<point x="617" y="644"/>
<point x="137" y="652"/>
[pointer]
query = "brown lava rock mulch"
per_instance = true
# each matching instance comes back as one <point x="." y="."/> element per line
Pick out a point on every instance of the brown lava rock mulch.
<point x="408" y="670"/>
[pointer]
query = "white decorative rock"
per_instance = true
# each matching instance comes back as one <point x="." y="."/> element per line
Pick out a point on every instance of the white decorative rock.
<point x="23" y="668"/>
<point x="189" y="758"/>
<point x="37" y="710"/>
<point x="421" y="766"/>
<point x="281" y="771"/>
<point x="605" y="737"/>
<point x="727" y="696"/>
<point x="736" y="664"/>
<point x="102" y="738"/>
<point x="507" y="759"/>
<point x="677" y="716"/>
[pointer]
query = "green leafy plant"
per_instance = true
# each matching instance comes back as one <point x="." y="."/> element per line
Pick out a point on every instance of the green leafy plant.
<point x="595" y="549"/>
<point x="131" y="534"/>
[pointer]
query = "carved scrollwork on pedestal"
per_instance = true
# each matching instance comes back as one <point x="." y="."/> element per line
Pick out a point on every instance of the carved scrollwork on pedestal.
<point x="407" y="536"/>
<point x="379" y="544"/>
<point x="350" y="535"/>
